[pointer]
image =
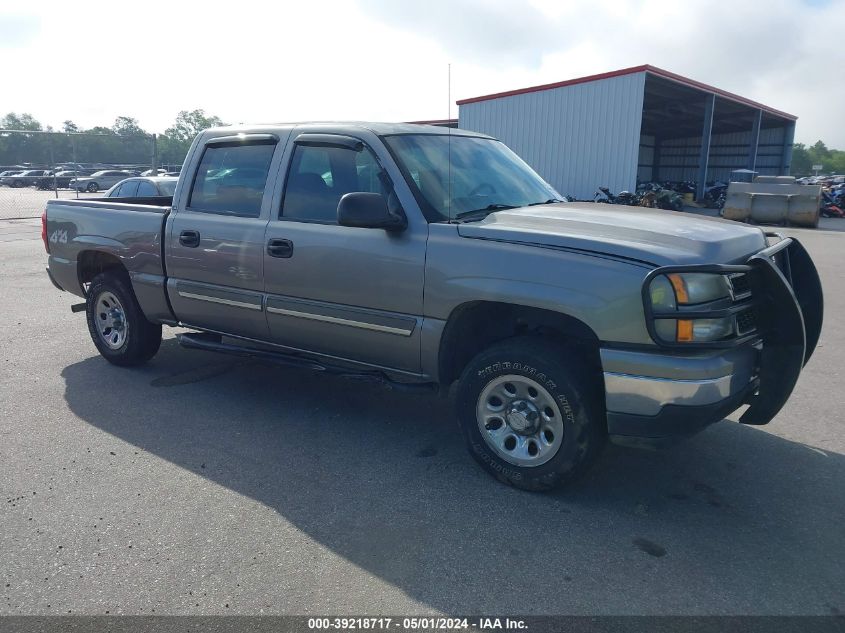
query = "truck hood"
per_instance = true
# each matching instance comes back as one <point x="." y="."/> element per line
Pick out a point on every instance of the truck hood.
<point x="653" y="236"/>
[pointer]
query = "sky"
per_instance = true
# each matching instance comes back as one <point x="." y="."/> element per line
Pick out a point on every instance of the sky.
<point x="388" y="60"/>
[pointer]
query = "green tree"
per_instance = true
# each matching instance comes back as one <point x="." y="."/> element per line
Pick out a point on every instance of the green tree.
<point x="803" y="159"/>
<point x="99" y="129"/>
<point x="16" y="148"/>
<point x="127" y="126"/>
<point x="70" y="126"/>
<point x="836" y="162"/>
<point x="174" y="144"/>
<point x="801" y="162"/>
<point x="819" y="150"/>
<point x="25" y="121"/>
<point x="189" y="124"/>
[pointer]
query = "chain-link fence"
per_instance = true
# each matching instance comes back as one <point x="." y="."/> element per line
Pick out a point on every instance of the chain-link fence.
<point x="37" y="165"/>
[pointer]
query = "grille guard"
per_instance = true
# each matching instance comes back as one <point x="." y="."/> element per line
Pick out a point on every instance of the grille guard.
<point x="789" y="304"/>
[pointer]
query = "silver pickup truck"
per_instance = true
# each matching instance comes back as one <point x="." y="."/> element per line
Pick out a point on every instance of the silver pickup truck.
<point x="426" y="258"/>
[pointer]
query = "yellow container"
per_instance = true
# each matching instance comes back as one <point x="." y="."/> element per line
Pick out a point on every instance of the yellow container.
<point x="688" y="198"/>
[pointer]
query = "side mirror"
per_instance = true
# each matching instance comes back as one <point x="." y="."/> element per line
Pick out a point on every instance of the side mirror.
<point x="369" y="210"/>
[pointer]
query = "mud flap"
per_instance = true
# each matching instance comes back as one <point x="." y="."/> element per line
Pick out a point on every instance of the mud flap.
<point x="789" y="323"/>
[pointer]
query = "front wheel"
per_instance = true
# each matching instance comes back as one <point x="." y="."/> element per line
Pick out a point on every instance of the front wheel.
<point x="529" y="414"/>
<point x="118" y="327"/>
<point x="93" y="187"/>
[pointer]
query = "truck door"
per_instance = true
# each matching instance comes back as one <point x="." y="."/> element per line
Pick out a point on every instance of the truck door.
<point x="216" y="242"/>
<point x="350" y="292"/>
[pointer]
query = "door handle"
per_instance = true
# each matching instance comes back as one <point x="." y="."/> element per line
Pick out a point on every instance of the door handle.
<point x="191" y="239"/>
<point x="280" y="248"/>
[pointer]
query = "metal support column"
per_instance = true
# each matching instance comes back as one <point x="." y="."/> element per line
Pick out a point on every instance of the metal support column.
<point x="753" y="146"/>
<point x="155" y="156"/>
<point x="655" y="167"/>
<point x="704" y="155"/>
<point x="53" y="163"/>
<point x="788" y="140"/>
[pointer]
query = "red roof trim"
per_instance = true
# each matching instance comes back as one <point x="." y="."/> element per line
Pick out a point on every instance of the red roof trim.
<point x="433" y="121"/>
<point x="559" y="84"/>
<point x="630" y="71"/>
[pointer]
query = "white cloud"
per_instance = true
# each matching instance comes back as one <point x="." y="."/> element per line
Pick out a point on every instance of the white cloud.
<point x="387" y="60"/>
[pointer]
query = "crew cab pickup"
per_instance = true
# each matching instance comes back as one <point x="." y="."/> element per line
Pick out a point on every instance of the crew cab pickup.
<point x="422" y="257"/>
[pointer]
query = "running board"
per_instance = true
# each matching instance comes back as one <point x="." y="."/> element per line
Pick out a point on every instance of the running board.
<point x="213" y="343"/>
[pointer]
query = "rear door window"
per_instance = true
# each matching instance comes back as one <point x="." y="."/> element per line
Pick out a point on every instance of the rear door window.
<point x="128" y="189"/>
<point x="231" y="179"/>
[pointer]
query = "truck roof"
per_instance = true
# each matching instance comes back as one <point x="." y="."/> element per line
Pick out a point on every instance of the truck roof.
<point x="346" y="126"/>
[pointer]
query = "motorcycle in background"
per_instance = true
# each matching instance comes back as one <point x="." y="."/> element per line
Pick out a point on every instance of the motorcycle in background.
<point x="830" y="207"/>
<point x="623" y="197"/>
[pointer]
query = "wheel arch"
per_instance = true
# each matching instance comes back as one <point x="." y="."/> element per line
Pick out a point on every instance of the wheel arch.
<point x="475" y="325"/>
<point x="92" y="262"/>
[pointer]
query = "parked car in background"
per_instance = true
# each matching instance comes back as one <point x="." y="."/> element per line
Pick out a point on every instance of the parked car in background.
<point x="99" y="180"/>
<point x="158" y="172"/>
<point x="9" y="172"/>
<point x="62" y="179"/>
<point x="143" y="187"/>
<point x="25" y="178"/>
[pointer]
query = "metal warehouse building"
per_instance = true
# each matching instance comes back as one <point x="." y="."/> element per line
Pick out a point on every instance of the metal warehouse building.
<point x="634" y="125"/>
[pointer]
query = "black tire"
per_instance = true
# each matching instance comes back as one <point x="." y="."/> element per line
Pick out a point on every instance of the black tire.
<point x="562" y="373"/>
<point x="92" y="187"/>
<point x="141" y="339"/>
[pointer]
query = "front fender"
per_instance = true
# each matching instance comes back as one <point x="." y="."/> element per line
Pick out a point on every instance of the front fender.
<point x="602" y="292"/>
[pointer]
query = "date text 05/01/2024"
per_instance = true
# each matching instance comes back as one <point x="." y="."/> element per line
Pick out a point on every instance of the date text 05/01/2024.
<point x="415" y="623"/>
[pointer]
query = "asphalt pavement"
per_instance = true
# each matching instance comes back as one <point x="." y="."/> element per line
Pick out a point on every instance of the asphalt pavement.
<point x="202" y="484"/>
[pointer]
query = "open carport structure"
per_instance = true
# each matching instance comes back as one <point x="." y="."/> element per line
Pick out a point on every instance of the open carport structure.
<point x="634" y="125"/>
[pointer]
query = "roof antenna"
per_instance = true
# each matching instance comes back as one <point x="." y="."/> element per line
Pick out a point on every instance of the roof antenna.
<point x="449" y="132"/>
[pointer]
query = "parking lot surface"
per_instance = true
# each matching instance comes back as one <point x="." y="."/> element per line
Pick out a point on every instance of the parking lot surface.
<point x="202" y="484"/>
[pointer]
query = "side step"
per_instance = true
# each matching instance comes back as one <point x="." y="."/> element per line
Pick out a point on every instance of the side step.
<point x="213" y="343"/>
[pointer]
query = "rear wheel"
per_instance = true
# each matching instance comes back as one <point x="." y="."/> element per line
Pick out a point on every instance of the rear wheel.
<point x="117" y="325"/>
<point x="529" y="414"/>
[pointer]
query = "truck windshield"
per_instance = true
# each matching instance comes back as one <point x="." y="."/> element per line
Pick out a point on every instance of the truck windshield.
<point x="484" y="175"/>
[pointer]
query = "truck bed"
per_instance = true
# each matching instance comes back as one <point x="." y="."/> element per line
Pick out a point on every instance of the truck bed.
<point x="82" y="235"/>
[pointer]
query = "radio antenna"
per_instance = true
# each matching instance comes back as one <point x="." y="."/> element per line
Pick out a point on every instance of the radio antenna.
<point x="449" y="133"/>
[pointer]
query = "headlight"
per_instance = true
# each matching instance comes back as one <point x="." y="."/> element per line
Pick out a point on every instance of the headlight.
<point x="673" y="292"/>
<point x="693" y="288"/>
<point x="662" y="294"/>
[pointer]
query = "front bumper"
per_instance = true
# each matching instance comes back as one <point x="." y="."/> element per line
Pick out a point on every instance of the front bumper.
<point x="654" y="398"/>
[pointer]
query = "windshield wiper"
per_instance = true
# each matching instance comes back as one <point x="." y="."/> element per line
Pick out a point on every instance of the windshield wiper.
<point x="480" y="214"/>
<point x="549" y="201"/>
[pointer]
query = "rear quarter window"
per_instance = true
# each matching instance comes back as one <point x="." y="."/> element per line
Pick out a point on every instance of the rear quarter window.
<point x="146" y="189"/>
